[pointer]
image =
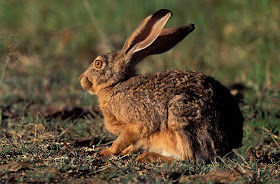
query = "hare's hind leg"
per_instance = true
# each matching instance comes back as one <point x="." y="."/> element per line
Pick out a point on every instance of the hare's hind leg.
<point x="127" y="137"/>
<point x="178" y="111"/>
<point x="162" y="146"/>
<point x="165" y="146"/>
<point x="150" y="157"/>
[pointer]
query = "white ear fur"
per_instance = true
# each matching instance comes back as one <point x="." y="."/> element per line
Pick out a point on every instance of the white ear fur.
<point x="159" y="25"/>
<point x="147" y="32"/>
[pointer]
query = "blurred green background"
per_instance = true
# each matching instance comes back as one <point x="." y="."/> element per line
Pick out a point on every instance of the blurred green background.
<point x="46" y="45"/>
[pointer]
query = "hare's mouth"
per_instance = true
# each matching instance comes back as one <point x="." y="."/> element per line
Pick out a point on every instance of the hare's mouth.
<point x="85" y="83"/>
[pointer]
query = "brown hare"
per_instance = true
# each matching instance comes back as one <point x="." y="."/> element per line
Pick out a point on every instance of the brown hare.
<point x="170" y="115"/>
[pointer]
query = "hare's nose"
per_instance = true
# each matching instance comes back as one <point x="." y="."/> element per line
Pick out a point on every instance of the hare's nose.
<point x="85" y="82"/>
<point x="80" y="78"/>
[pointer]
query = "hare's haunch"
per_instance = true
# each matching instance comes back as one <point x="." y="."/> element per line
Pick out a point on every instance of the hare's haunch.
<point x="173" y="114"/>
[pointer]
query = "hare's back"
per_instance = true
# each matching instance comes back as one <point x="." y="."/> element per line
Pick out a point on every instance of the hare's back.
<point x="193" y="85"/>
<point x="162" y="87"/>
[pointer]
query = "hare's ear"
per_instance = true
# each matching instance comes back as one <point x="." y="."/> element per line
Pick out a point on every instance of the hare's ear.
<point x="146" y="33"/>
<point x="167" y="39"/>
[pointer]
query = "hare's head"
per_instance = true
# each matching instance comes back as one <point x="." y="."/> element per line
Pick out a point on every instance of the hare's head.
<point x="147" y="39"/>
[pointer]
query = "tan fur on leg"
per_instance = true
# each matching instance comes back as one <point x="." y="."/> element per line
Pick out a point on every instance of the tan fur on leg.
<point x="129" y="150"/>
<point x="126" y="138"/>
<point x="181" y="143"/>
<point x="149" y="157"/>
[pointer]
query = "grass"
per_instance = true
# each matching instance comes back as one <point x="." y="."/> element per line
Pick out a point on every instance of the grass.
<point x="45" y="46"/>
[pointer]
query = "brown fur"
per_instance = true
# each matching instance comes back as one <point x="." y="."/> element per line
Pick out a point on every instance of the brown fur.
<point x="178" y="114"/>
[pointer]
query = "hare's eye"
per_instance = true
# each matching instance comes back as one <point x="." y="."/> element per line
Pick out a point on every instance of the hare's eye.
<point x="98" y="64"/>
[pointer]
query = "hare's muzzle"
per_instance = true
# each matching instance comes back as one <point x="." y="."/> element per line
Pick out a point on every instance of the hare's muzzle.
<point x="85" y="83"/>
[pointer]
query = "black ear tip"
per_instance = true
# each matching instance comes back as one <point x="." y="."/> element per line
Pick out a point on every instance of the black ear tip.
<point x="163" y="12"/>
<point x="190" y="27"/>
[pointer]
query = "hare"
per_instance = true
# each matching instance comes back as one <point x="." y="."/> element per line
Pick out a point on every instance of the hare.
<point x="182" y="115"/>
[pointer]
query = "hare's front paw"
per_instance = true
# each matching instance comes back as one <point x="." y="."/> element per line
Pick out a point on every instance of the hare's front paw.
<point x="106" y="152"/>
<point x="129" y="150"/>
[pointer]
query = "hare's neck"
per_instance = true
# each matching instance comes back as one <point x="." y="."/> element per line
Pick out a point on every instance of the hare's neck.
<point x="104" y="97"/>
